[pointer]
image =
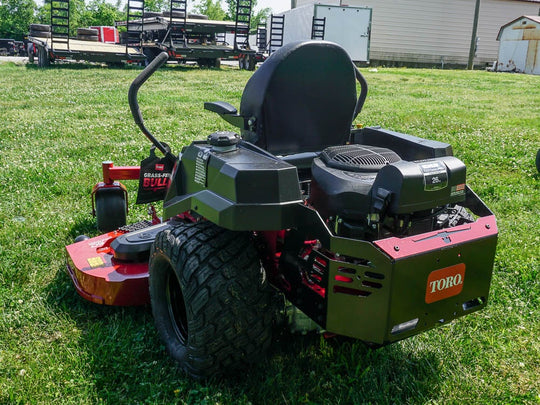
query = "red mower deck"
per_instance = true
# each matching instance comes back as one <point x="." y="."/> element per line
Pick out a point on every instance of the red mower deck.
<point x="100" y="278"/>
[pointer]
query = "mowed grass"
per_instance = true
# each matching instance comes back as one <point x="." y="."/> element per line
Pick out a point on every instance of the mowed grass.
<point x="59" y="124"/>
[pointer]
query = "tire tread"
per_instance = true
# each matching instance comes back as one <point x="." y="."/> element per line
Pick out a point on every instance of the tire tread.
<point x="227" y="305"/>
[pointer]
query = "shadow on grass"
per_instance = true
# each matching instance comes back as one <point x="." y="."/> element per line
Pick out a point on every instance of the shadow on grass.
<point x="81" y="66"/>
<point x="86" y="66"/>
<point x="128" y="362"/>
<point x="86" y="226"/>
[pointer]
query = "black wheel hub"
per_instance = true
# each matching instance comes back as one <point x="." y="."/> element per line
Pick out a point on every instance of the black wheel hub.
<point x="176" y="307"/>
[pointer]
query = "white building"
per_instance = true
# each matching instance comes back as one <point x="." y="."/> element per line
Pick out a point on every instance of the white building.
<point x="519" y="46"/>
<point x="436" y="31"/>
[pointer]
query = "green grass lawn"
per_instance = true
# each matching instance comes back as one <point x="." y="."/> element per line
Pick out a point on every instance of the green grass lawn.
<point x="59" y="124"/>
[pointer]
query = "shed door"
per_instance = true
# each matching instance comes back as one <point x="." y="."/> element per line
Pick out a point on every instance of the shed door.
<point x="348" y="27"/>
<point x="512" y="56"/>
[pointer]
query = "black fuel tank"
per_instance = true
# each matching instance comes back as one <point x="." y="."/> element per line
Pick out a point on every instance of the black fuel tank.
<point x="240" y="188"/>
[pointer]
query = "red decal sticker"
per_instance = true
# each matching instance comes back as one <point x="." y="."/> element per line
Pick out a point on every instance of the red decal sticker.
<point x="160" y="167"/>
<point x="445" y="283"/>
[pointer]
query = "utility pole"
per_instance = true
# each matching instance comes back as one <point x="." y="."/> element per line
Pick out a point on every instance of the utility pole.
<point x="470" y="64"/>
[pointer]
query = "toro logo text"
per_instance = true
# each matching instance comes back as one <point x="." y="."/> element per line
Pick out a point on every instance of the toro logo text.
<point x="445" y="283"/>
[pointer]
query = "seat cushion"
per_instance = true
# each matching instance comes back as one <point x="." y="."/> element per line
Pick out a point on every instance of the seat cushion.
<point x="303" y="98"/>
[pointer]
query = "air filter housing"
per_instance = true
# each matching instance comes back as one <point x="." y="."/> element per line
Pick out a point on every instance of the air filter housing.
<point x="358" y="158"/>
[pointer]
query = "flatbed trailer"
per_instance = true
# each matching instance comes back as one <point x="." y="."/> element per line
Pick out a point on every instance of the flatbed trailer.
<point x="190" y="37"/>
<point x="200" y="40"/>
<point x="54" y="42"/>
<point x="78" y="50"/>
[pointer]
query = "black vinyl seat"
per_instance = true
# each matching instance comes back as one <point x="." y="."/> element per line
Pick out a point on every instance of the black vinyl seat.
<point x="300" y="101"/>
<point x="302" y="98"/>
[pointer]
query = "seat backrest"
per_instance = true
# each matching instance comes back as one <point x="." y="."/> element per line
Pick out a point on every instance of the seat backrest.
<point x="303" y="98"/>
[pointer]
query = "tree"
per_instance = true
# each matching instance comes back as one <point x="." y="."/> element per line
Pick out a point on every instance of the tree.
<point x="156" y="5"/>
<point x="231" y="9"/>
<point x="260" y="16"/>
<point x="77" y="10"/>
<point x="100" y="12"/>
<point x="210" y="8"/>
<point x="15" y="17"/>
<point x="43" y="15"/>
<point x="97" y="12"/>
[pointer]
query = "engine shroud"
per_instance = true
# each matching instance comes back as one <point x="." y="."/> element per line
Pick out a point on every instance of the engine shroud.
<point x="353" y="181"/>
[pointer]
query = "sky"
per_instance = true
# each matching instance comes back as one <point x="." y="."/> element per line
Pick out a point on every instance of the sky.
<point x="277" y="6"/>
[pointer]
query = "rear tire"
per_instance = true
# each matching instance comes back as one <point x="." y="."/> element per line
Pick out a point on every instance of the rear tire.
<point x="92" y="38"/>
<point x="210" y="298"/>
<point x="87" y="32"/>
<point x="111" y="209"/>
<point x="538" y="160"/>
<point x="43" y="57"/>
<point x="242" y="63"/>
<point x="250" y="63"/>
<point x="30" y="51"/>
<point x="40" y="27"/>
<point x="151" y="54"/>
<point x="40" y="34"/>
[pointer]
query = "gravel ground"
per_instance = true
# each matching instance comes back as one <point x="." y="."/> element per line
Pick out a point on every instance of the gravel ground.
<point x="21" y="60"/>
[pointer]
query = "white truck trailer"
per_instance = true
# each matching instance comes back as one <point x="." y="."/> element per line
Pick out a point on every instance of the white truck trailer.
<point x="349" y="27"/>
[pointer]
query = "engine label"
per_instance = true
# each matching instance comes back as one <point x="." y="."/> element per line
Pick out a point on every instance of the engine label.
<point x="445" y="283"/>
<point x="201" y="164"/>
<point x="457" y="190"/>
<point x="435" y="175"/>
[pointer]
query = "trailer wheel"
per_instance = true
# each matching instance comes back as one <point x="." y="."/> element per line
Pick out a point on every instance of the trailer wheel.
<point x="242" y="63"/>
<point x="150" y="14"/>
<point x="93" y="38"/>
<point x="40" y="34"/>
<point x="151" y="54"/>
<point x="111" y="209"/>
<point x="40" y="27"/>
<point x="210" y="298"/>
<point x="210" y="63"/>
<point x="115" y="64"/>
<point x="43" y="57"/>
<point x="250" y="62"/>
<point x="194" y="16"/>
<point x="30" y="51"/>
<point x="175" y="14"/>
<point x="87" y="31"/>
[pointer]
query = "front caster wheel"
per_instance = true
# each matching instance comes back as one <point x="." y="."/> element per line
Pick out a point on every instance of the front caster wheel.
<point x="111" y="209"/>
<point x="210" y="298"/>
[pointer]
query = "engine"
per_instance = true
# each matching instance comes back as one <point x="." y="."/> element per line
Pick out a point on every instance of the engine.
<point x="371" y="193"/>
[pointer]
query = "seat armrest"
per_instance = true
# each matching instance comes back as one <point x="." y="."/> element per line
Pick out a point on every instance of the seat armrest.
<point x="228" y="112"/>
<point x="220" y="107"/>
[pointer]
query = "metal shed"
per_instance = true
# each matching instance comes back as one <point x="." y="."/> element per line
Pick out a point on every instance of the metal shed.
<point x="435" y="32"/>
<point x="519" y="46"/>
